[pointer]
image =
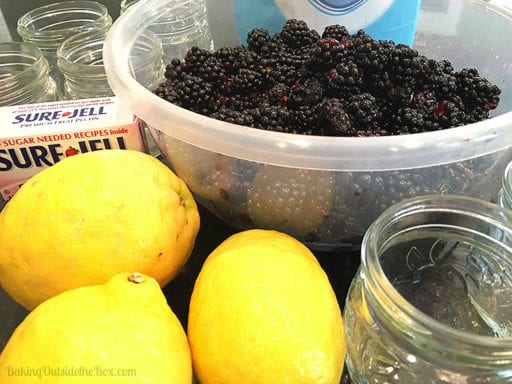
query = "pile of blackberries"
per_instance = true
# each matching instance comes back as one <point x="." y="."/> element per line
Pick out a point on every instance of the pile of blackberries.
<point x="334" y="84"/>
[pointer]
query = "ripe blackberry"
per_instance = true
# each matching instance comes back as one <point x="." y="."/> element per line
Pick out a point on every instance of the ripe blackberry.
<point x="193" y="93"/>
<point x="450" y="113"/>
<point x="304" y="120"/>
<point x="365" y="112"/>
<point x="476" y="91"/>
<point x="232" y="116"/>
<point x="344" y="79"/>
<point x="326" y="54"/>
<point x="166" y="91"/>
<point x="406" y="65"/>
<point x="335" y="31"/>
<point x="257" y="38"/>
<point x="212" y="71"/>
<point x="385" y="88"/>
<point x="409" y="120"/>
<point x="246" y="80"/>
<point x="309" y="93"/>
<point x="369" y="54"/>
<point x="333" y="120"/>
<point x="234" y="58"/>
<point x="279" y="94"/>
<point x="194" y="59"/>
<point x="271" y="117"/>
<point x="296" y="33"/>
<point x="424" y="101"/>
<point x="174" y="69"/>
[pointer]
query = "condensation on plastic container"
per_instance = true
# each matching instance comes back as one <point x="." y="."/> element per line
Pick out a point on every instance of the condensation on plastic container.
<point x="431" y="300"/>
<point x="181" y="25"/>
<point x="24" y="75"/>
<point x="49" y="25"/>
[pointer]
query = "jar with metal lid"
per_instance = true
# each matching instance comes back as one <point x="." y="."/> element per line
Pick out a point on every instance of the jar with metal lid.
<point x="49" y="25"/>
<point x="432" y="300"/>
<point x="182" y="25"/>
<point x="24" y="75"/>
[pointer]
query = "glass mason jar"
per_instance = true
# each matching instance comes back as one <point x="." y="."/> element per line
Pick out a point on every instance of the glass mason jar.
<point x="432" y="300"/>
<point x="24" y="75"/>
<point x="49" y="25"/>
<point x="184" y="24"/>
<point x="505" y="194"/>
<point x="80" y="60"/>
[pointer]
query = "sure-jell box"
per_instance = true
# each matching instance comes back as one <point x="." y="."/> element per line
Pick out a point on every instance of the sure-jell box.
<point x="36" y="136"/>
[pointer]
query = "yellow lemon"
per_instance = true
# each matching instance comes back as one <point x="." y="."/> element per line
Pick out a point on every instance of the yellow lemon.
<point x="263" y="311"/>
<point x="120" y="332"/>
<point x="93" y="215"/>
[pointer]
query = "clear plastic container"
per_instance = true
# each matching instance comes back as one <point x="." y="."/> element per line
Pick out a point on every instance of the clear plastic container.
<point x="362" y="175"/>
<point x="181" y="25"/>
<point x="24" y="75"/>
<point x="49" y="25"/>
<point x="431" y="300"/>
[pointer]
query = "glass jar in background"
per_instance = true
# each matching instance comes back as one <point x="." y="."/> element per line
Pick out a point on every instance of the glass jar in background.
<point x="184" y="24"/>
<point x="24" y="75"/>
<point x="49" y="25"/>
<point x="505" y="194"/>
<point x="432" y="300"/>
<point x="80" y="60"/>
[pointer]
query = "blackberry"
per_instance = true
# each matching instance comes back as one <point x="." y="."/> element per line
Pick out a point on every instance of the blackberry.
<point x="194" y="59"/>
<point x="344" y="79"/>
<point x="333" y="120"/>
<point x="232" y="116"/>
<point x="193" y="93"/>
<point x="257" y="38"/>
<point x="174" y="69"/>
<point x="450" y="113"/>
<point x="335" y="31"/>
<point x="304" y="120"/>
<point x="406" y="65"/>
<point x="296" y="33"/>
<point x="310" y="93"/>
<point x="281" y="74"/>
<point x="246" y="80"/>
<point x="272" y="117"/>
<point x="369" y="54"/>
<point x="337" y="84"/>
<point x="409" y="120"/>
<point x="424" y="101"/>
<point x="279" y="94"/>
<point x="476" y="91"/>
<point x="327" y="54"/>
<point x="234" y="58"/>
<point x="212" y="71"/>
<point x="365" y="111"/>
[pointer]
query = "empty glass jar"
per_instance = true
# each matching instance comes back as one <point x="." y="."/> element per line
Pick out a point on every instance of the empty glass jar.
<point x="505" y="195"/>
<point x="24" y="75"/>
<point x="184" y="24"/>
<point x="80" y="60"/>
<point x="49" y="25"/>
<point x="432" y="300"/>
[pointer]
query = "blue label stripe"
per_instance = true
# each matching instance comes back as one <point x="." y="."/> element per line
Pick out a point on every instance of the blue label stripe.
<point x="336" y="7"/>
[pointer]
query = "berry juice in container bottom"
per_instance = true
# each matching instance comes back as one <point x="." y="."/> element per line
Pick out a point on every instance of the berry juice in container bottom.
<point x="382" y="19"/>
